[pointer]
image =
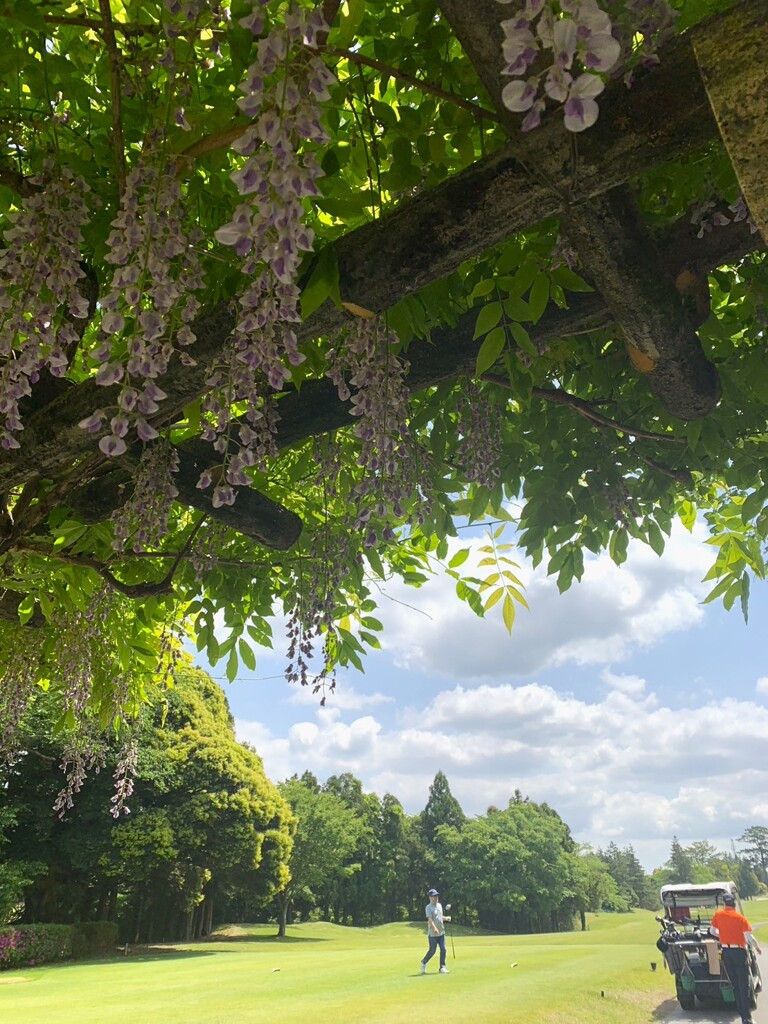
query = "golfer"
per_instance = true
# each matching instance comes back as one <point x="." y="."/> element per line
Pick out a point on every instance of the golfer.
<point x="734" y="932"/>
<point x="435" y="931"/>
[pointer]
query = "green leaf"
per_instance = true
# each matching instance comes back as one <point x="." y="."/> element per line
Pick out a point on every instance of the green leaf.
<point x="753" y="505"/>
<point x="655" y="537"/>
<point x="508" y="612"/>
<point x="538" y="299"/>
<point x="523" y="339"/>
<point x="352" y="15"/>
<point x="619" y="545"/>
<point x="570" y="281"/>
<point x="487" y="318"/>
<point x="232" y="665"/>
<point x="246" y="654"/>
<point x="26" y="609"/>
<point x="459" y="558"/>
<point x="323" y="283"/>
<point x="490" y="350"/>
<point x="745" y="596"/>
<point x="26" y="13"/>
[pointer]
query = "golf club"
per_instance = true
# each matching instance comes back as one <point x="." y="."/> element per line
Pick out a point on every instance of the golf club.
<point x="453" y="948"/>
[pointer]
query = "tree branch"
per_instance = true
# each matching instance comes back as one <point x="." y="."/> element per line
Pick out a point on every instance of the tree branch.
<point x="133" y="590"/>
<point x="426" y="87"/>
<point x="559" y="397"/>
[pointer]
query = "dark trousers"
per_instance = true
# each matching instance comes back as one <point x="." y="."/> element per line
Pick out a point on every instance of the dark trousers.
<point x="434" y="942"/>
<point x="735" y="962"/>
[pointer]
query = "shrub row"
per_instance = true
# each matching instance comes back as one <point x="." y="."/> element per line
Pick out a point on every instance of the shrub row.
<point x="27" y="945"/>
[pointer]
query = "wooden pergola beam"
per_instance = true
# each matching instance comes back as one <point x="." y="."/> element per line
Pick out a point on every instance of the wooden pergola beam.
<point x="731" y="51"/>
<point x="616" y="249"/>
<point x="429" y="236"/>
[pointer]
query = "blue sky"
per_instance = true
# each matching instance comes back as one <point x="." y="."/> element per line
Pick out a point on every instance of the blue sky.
<point x="634" y="710"/>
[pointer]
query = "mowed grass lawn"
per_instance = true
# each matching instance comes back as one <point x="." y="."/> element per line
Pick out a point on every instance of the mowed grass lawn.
<point x="325" y="974"/>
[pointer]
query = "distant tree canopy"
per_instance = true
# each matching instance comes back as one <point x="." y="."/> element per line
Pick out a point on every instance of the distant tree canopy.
<point x="208" y="837"/>
<point x="702" y="862"/>
<point x="210" y="841"/>
<point x="287" y="297"/>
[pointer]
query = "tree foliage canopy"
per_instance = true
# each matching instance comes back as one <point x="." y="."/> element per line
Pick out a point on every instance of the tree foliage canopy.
<point x="285" y="299"/>
<point x="208" y="837"/>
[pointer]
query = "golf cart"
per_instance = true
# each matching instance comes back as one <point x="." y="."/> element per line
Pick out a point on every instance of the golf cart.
<point x="691" y="953"/>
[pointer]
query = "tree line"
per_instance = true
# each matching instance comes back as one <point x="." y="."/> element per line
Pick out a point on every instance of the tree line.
<point x="210" y="839"/>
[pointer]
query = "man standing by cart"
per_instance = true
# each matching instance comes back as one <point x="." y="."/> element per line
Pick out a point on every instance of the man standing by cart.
<point x="734" y="932"/>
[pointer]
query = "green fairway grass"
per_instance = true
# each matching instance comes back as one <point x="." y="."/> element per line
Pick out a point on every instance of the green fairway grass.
<point x="325" y="974"/>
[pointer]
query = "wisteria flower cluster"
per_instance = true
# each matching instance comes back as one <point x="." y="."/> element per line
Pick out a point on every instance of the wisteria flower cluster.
<point x="706" y="215"/>
<point x="143" y="518"/>
<point x="312" y="618"/>
<point x="82" y="754"/>
<point x="282" y="93"/>
<point x="40" y="278"/>
<point x="481" y="435"/>
<point x="150" y="306"/>
<point x="244" y="443"/>
<point x="578" y="35"/>
<point x="124" y="776"/>
<point x="365" y="367"/>
<point x="642" y="26"/>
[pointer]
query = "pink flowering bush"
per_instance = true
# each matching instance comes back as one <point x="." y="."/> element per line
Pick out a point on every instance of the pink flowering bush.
<point x="28" y="945"/>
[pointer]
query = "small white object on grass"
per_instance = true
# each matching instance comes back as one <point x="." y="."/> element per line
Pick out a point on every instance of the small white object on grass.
<point x="513" y="965"/>
<point x="275" y="970"/>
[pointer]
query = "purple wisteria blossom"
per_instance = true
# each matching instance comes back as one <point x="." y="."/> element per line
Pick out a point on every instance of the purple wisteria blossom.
<point x="282" y="92"/>
<point x="396" y="486"/>
<point x="40" y="290"/>
<point x="578" y="36"/>
<point x="142" y="521"/>
<point x="152" y="302"/>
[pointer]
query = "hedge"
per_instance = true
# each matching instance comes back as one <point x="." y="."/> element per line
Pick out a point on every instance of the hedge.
<point x="27" y="945"/>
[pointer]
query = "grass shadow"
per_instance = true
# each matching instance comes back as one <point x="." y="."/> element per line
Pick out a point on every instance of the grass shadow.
<point x="715" y="1011"/>
<point x="288" y="940"/>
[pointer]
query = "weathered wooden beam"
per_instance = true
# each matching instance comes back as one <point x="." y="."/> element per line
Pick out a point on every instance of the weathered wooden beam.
<point x="616" y="250"/>
<point x="432" y="234"/>
<point x="732" y="54"/>
<point x="254" y="514"/>
<point x="619" y="254"/>
<point x="448" y="354"/>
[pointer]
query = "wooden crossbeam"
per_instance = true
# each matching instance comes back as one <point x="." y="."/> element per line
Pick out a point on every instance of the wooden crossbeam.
<point x="449" y="353"/>
<point x="429" y="236"/>
<point x="616" y="250"/>
<point x="731" y="50"/>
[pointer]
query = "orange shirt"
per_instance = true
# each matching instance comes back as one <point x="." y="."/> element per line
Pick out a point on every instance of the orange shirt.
<point x="731" y="925"/>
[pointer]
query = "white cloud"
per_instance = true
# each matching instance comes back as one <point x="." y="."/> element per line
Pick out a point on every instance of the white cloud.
<point x="611" y="613"/>
<point x="626" y="764"/>
<point x="344" y="698"/>
<point x="625" y="767"/>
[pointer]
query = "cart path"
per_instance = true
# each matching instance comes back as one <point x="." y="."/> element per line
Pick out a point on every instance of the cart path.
<point x="760" y="1015"/>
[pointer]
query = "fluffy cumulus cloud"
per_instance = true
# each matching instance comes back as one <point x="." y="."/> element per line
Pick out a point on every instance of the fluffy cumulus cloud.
<point x="624" y="767"/>
<point x="632" y="760"/>
<point x="612" y="612"/>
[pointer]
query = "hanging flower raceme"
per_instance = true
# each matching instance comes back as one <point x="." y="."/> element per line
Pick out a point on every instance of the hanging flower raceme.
<point x="578" y="36"/>
<point x="282" y="94"/>
<point x="150" y="306"/>
<point x="143" y="519"/>
<point x="40" y="290"/>
<point x="282" y="91"/>
<point x="481" y="438"/>
<point x="365" y="367"/>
